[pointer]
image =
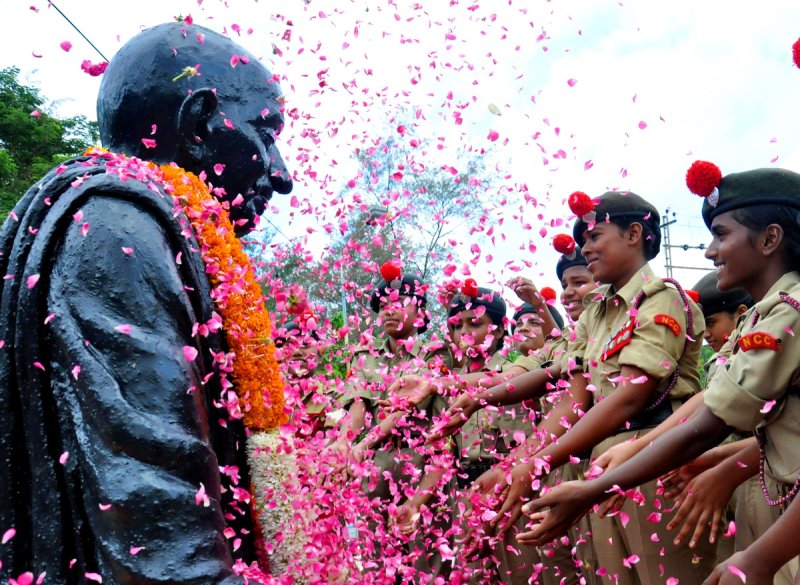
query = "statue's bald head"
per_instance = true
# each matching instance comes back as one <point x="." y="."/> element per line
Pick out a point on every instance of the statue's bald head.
<point x="204" y="101"/>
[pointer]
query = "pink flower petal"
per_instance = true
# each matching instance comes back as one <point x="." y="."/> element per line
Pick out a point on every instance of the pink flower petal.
<point x="738" y="572"/>
<point x="493" y="135"/>
<point x="572" y="82"/>
<point x="218" y="168"/>
<point x="65" y="45"/>
<point x="149" y="142"/>
<point x="125" y="329"/>
<point x="190" y="353"/>
<point x="24" y="579"/>
<point x="128" y="251"/>
<point x="94" y="577"/>
<point x="32" y="280"/>
<point x="8" y="535"/>
<point x="63" y="459"/>
<point x="768" y="406"/>
<point x="76" y="371"/>
<point x="134" y="550"/>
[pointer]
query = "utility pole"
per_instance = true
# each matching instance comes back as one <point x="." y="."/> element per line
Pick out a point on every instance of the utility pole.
<point x="667" y="220"/>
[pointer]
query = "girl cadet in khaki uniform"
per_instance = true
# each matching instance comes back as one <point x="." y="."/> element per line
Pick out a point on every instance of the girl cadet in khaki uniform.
<point x="753" y="217"/>
<point x="477" y="320"/>
<point x="637" y="343"/>
<point x="396" y="454"/>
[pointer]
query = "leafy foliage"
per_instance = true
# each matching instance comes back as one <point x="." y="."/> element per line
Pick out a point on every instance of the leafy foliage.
<point x="31" y="144"/>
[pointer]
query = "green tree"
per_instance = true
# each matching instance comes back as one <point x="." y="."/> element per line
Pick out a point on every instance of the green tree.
<point x="30" y="145"/>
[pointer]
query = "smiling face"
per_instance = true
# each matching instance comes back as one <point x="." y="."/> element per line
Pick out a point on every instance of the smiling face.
<point x="611" y="252"/>
<point x="719" y="327"/>
<point x="736" y="259"/>
<point x="528" y="334"/>
<point x="576" y="282"/>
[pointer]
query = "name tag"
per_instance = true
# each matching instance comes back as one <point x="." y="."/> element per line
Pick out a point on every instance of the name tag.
<point x="759" y="340"/>
<point x="669" y="322"/>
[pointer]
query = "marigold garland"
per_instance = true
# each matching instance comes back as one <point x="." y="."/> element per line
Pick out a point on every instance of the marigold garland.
<point x="251" y="359"/>
<point x="239" y="299"/>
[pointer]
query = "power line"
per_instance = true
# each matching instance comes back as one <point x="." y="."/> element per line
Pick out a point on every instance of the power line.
<point x="79" y="30"/>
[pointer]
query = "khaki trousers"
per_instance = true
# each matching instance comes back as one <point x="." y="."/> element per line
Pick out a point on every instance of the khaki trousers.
<point x="638" y="537"/>
<point x="754" y="516"/>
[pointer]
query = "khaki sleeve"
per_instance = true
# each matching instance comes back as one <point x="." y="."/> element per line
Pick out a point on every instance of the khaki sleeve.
<point x="529" y="363"/>
<point x="659" y="338"/>
<point x="357" y="384"/>
<point x="739" y="391"/>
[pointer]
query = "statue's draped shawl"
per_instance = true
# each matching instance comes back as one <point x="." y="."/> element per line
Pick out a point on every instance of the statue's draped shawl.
<point x="106" y="436"/>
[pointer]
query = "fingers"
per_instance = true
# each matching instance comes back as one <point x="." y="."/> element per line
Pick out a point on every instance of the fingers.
<point x="716" y="522"/>
<point x="700" y="526"/>
<point x="602" y="461"/>
<point x="683" y="511"/>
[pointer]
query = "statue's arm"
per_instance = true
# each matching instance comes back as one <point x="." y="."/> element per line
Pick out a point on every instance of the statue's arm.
<point x="134" y="412"/>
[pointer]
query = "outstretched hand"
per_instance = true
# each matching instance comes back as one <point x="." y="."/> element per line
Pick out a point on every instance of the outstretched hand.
<point x="519" y="492"/>
<point x="407" y="393"/>
<point x="702" y="505"/>
<point x="555" y="512"/>
<point x="454" y="418"/>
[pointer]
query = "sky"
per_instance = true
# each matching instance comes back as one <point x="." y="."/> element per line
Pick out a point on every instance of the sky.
<point x="586" y="95"/>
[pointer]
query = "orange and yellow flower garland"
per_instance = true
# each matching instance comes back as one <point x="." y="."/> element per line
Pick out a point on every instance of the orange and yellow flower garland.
<point x="246" y="321"/>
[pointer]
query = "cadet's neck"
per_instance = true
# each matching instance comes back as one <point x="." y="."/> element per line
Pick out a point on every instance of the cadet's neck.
<point x="771" y="273"/>
<point x="627" y="275"/>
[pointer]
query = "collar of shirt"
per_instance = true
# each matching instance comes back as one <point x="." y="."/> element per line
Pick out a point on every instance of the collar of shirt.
<point x="645" y="280"/>
<point x="381" y="346"/>
<point x="784" y="284"/>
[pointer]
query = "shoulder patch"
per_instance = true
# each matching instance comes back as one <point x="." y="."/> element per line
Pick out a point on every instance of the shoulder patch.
<point x="669" y="322"/>
<point x="759" y="340"/>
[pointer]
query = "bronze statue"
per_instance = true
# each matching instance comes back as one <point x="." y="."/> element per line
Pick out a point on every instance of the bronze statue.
<point x="107" y="434"/>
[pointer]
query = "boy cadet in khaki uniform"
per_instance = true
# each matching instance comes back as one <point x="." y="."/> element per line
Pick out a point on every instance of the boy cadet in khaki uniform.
<point x="756" y="246"/>
<point x="638" y="343"/>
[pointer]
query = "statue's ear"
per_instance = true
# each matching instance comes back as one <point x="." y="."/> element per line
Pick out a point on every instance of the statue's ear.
<point x="194" y="117"/>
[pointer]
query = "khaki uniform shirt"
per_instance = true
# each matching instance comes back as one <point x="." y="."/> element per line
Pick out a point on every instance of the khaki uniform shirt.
<point x="654" y="340"/>
<point x="374" y="368"/>
<point x="482" y="436"/>
<point x="765" y="367"/>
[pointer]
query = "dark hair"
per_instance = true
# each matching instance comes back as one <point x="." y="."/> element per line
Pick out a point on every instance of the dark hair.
<point x="651" y="233"/>
<point x="756" y="218"/>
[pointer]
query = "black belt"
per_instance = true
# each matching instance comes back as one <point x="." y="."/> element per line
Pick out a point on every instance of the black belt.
<point x="648" y="418"/>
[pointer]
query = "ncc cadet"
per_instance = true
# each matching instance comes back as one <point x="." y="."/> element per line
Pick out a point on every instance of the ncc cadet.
<point x="637" y="343"/>
<point x="753" y="219"/>
<point x="398" y="461"/>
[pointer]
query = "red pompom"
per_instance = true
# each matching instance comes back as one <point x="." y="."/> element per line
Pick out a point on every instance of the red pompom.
<point x="548" y="294"/>
<point x="693" y="294"/>
<point x="703" y="177"/>
<point x="796" y="52"/>
<point x="564" y="244"/>
<point x="580" y="203"/>
<point x="470" y="288"/>
<point x="391" y="271"/>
